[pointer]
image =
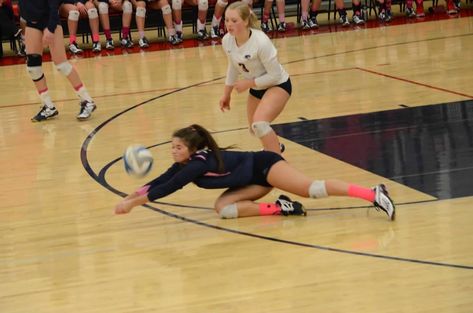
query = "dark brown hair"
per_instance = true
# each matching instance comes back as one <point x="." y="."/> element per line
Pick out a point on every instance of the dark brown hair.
<point x="197" y="137"/>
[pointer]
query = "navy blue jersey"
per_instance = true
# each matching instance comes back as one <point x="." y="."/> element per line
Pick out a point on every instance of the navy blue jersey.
<point x="202" y="170"/>
<point x="41" y="12"/>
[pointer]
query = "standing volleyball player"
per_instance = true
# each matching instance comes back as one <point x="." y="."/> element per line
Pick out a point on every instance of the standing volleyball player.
<point x="248" y="176"/>
<point x="43" y="29"/>
<point x="252" y="54"/>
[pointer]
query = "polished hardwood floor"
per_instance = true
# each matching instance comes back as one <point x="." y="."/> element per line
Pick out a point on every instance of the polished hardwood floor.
<point x="385" y="104"/>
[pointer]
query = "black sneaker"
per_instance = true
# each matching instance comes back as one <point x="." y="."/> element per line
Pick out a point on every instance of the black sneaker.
<point x="215" y="32"/>
<point x="127" y="43"/>
<point x="282" y="27"/>
<point x="86" y="109"/>
<point x="265" y="27"/>
<point x="289" y="207"/>
<point x="143" y="43"/>
<point x="44" y="114"/>
<point x="202" y="34"/>
<point x="173" y="40"/>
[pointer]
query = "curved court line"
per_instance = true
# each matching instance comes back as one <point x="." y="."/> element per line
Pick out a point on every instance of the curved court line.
<point x="101" y="180"/>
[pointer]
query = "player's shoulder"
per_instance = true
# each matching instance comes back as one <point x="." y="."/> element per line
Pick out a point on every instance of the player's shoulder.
<point x="201" y="155"/>
<point x="259" y="35"/>
<point x="227" y="39"/>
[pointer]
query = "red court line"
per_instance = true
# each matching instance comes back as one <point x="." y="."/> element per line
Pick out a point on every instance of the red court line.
<point x="415" y="83"/>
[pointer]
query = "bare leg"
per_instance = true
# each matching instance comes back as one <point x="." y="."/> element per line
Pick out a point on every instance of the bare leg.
<point x="285" y="177"/>
<point x="58" y="54"/>
<point x="270" y="106"/>
<point x="244" y="199"/>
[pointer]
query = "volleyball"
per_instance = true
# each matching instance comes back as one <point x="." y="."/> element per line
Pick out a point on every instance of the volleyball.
<point x="138" y="161"/>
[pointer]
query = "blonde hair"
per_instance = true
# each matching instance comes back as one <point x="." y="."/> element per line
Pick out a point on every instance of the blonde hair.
<point x="244" y="12"/>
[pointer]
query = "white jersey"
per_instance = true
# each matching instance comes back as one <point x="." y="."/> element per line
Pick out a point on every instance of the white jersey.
<point x="255" y="59"/>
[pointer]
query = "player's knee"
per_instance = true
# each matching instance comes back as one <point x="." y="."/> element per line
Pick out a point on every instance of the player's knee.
<point x="318" y="189"/>
<point x="227" y="211"/>
<point x="141" y="12"/>
<point x="34" y="66"/>
<point x="203" y="5"/>
<point x="92" y="13"/>
<point x="103" y="7"/>
<point x="65" y="68"/>
<point x="222" y="3"/>
<point x="127" y="7"/>
<point x="176" y="4"/>
<point x="166" y="9"/>
<point x="73" y="15"/>
<point x="261" y="128"/>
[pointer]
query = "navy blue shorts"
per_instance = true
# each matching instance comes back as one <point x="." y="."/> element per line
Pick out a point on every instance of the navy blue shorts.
<point x="260" y="93"/>
<point x="262" y="163"/>
<point x="40" y="24"/>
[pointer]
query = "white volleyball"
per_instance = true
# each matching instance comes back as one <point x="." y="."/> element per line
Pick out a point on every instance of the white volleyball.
<point x="138" y="160"/>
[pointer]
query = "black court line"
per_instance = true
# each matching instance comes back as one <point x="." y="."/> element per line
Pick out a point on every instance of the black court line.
<point x="100" y="179"/>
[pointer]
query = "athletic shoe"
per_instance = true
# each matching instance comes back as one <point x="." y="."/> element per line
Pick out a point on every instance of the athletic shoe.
<point x="86" y="109"/>
<point x="179" y="36"/>
<point x="96" y="47"/>
<point x="305" y="25"/>
<point x="388" y="17"/>
<point x="202" y="34"/>
<point x="215" y="32"/>
<point x="265" y="27"/>
<point x="358" y="20"/>
<point x="383" y="202"/>
<point x="109" y="44"/>
<point x="143" y="42"/>
<point x="45" y="113"/>
<point x="410" y="12"/>
<point x="313" y="22"/>
<point x="344" y="21"/>
<point x="289" y="207"/>
<point x="282" y="27"/>
<point x="74" y="48"/>
<point x="173" y="40"/>
<point x="382" y="16"/>
<point x="126" y="43"/>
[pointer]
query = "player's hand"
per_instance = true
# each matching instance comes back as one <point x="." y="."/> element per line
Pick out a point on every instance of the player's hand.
<point x="48" y="37"/>
<point x="225" y="103"/>
<point x="243" y="85"/>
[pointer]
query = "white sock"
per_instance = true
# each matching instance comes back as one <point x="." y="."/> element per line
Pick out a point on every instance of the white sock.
<point x="200" y="25"/>
<point x="215" y="21"/>
<point x="84" y="94"/>
<point x="46" y="99"/>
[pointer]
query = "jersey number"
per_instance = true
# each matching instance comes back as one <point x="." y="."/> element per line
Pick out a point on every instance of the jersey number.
<point x="243" y="67"/>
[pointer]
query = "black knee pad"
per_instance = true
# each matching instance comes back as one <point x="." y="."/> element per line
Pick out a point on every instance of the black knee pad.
<point x="33" y="65"/>
<point x="34" y="59"/>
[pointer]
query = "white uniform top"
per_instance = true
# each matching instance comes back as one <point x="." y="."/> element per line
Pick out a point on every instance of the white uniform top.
<point x="255" y="59"/>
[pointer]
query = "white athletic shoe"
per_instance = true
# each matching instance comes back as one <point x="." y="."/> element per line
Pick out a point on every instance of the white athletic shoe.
<point x="383" y="202"/>
<point x="86" y="109"/>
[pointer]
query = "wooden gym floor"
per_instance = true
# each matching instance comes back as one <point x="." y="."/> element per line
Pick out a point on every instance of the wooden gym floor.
<point x="387" y="104"/>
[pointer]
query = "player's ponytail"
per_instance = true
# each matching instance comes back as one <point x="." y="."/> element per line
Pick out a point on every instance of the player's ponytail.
<point x="197" y="138"/>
